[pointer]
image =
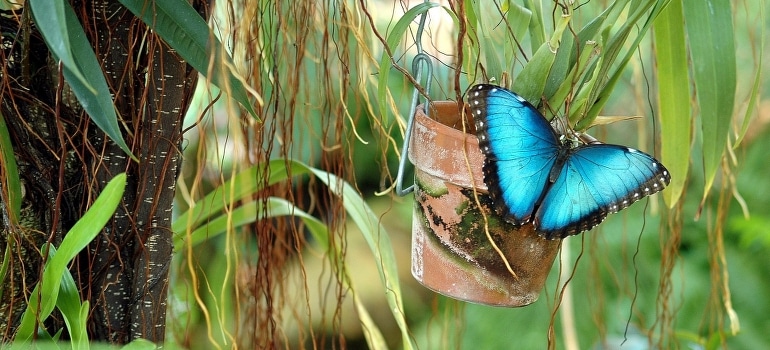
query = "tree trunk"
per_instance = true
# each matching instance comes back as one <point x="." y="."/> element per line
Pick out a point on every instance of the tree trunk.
<point x="65" y="161"/>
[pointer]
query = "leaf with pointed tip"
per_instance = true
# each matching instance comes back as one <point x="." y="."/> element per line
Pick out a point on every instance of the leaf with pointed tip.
<point x="712" y="49"/>
<point x="674" y="98"/>
<point x="45" y="294"/>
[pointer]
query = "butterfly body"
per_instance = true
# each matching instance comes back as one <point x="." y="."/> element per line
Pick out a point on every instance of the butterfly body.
<point x="557" y="182"/>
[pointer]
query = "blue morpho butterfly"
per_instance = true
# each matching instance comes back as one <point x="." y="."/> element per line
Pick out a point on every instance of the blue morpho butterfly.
<point x="562" y="184"/>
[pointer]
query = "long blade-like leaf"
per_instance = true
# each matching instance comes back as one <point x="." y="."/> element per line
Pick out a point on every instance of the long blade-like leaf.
<point x="52" y="20"/>
<point x="712" y="48"/>
<point x="11" y="183"/>
<point x="674" y="97"/>
<point x="68" y="43"/>
<point x="45" y="295"/>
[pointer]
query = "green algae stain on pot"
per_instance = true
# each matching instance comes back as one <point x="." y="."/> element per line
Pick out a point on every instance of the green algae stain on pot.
<point x="433" y="190"/>
<point x="463" y="236"/>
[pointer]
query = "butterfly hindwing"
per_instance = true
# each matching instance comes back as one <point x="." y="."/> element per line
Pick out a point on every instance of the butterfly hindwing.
<point x="520" y="148"/>
<point x="597" y="180"/>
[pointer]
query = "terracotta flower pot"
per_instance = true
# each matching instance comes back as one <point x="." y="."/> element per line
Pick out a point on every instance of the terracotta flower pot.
<point x="451" y="250"/>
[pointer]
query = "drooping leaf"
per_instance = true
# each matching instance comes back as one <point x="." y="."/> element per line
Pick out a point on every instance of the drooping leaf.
<point x="673" y="97"/>
<point x="65" y="37"/>
<point x="712" y="48"/>
<point x="54" y="25"/>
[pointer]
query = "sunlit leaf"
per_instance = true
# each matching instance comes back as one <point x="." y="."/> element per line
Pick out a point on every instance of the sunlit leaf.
<point x="240" y="186"/>
<point x="45" y="294"/>
<point x="674" y="98"/>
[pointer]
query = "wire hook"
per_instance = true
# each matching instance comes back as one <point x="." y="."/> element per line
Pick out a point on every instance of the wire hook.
<point x="420" y="61"/>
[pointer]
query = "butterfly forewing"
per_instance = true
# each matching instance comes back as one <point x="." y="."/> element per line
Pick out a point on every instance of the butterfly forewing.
<point x="520" y="149"/>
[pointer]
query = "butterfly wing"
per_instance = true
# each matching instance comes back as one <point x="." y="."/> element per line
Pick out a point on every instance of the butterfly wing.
<point x="520" y="148"/>
<point x="597" y="180"/>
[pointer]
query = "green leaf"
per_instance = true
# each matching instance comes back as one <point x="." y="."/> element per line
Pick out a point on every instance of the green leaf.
<point x="560" y="67"/>
<point x="577" y="73"/>
<point x="712" y="48"/>
<point x="612" y="66"/>
<point x="184" y="30"/>
<point x="486" y="36"/>
<point x="518" y="18"/>
<point x="12" y="185"/>
<point x="240" y="186"/>
<point x="45" y="295"/>
<point x="52" y="20"/>
<point x="74" y="312"/>
<point x="673" y="97"/>
<point x="140" y="344"/>
<point x="536" y="27"/>
<point x="531" y="82"/>
<point x="68" y="43"/>
<point x="755" y="92"/>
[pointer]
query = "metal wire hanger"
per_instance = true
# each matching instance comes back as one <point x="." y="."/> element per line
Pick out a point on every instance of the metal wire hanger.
<point x="421" y="62"/>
